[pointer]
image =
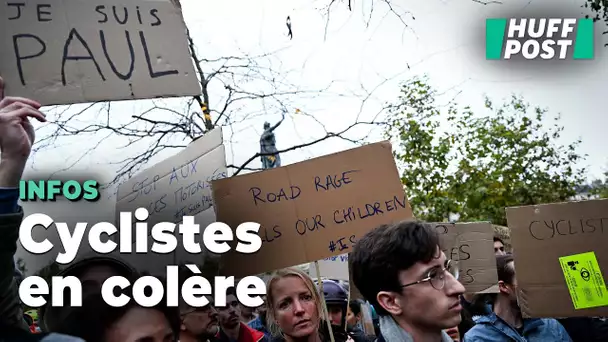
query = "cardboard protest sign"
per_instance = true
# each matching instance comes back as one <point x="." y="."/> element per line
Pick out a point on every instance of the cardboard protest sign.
<point x="561" y="259"/>
<point x="333" y="267"/>
<point x="72" y="51"/>
<point x="176" y="187"/>
<point x="179" y="185"/>
<point x="472" y="245"/>
<point x="313" y="209"/>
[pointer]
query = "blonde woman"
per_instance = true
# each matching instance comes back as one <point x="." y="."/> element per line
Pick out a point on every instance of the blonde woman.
<point x="295" y="310"/>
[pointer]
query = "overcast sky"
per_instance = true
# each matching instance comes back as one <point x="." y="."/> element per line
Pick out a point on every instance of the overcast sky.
<point x="444" y="41"/>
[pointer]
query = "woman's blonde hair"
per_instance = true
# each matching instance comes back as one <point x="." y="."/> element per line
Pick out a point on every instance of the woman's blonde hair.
<point x="274" y="328"/>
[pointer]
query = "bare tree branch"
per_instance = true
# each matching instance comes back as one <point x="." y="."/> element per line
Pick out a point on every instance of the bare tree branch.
<point x="235" y="90"/>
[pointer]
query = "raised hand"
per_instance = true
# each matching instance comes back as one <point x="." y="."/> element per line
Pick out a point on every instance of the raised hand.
<point x="16" y="135"/>
<point x="16" y="132"/>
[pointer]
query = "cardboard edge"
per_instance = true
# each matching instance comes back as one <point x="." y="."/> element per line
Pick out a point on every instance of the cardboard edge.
<point x="203" y="140"/>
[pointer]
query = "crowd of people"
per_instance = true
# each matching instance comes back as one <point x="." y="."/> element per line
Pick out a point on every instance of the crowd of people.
<point x="399" y="269"/>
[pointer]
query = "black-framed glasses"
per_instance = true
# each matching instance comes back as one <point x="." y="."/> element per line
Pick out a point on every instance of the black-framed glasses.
<point x="437" y="276"/>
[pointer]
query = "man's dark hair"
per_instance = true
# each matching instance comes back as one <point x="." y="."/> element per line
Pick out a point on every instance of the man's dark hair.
<point x="92" y="321"/>
<point x="355" y="306"/>
<point x="506" y="271"/>
<point x="381" y="254"/>
<point x="496" y="238"/>
<point x="231" y="291"/>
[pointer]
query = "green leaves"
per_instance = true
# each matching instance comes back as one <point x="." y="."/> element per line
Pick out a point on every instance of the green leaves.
<point x="455" y="161"/>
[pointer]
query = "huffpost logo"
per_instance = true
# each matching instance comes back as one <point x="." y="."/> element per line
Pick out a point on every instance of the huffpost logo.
<point x="539" y="38"/>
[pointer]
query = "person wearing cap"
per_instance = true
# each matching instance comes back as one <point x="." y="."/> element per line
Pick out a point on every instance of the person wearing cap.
<point x="16" y="140"/>
<point x="336" y="299"/>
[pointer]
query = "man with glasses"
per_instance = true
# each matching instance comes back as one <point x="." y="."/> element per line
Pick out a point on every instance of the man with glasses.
<point x="402" y="272"/>
<point x="231" y="327"/>
<point x="198" y="324"/>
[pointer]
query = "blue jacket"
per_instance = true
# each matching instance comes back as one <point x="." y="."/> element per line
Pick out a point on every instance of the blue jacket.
<point x="259" y="326"/>
<point x="492" y="328"/>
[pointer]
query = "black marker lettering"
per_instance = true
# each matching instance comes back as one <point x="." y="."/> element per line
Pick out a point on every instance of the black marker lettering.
<point x="463" y="253"/>
<point x="138" y="15"/>
<point x="18" y="5"/>
<point x="533" y="228"/>
<point x="153" y="12"/>
<point x="468" y="277"/>
<point x="441" y="229"/>
<point x="74" y="33"/>
<point x="352" y="240"/>
<point x="125" y="18"/>
<point x="336" y="219"/>
<point x="102" y="38"/>
<point x="41" y="12"/>
<point x="105" y="16"/>
<point x="153" y="74"/>
<point x="18" y="55"/>
<point x="301" y="224"/>
<point x="256" y="193"/>
<point x="589" y="224"/>
<point x="318" y="222"/>
<point x="401" y="204"/>
<point x="556" y="226"/>
<point x="377" y="209"/>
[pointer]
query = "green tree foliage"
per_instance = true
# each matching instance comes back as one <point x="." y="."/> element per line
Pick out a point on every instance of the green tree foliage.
<point x="599" y="9"/>
<point x="596" y="189"/>
<point x="600" y="188"/>
<point x="457" y="162"/>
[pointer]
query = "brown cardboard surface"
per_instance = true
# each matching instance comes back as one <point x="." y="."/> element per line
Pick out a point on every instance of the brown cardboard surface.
<point x="293" y="206"/>
<point x="179" y="185"/>
<point x="471" y="244"/>
<point x="540" y="235"/>
<point x="72" y="51"/>
<point x="175" y="187"/>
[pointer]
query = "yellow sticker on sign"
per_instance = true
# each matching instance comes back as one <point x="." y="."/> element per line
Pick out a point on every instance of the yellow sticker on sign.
<point x="584" y="280"/>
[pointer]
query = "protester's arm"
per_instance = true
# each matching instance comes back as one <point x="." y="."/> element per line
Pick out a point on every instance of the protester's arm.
<point x="11" y="314"/>
<point x="8" y="200"/>
<point x="16" y="139"/>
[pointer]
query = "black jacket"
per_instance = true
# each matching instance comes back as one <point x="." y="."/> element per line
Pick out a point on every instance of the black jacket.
<point x="11" y="313"/>
<point x="586" y="329"/>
